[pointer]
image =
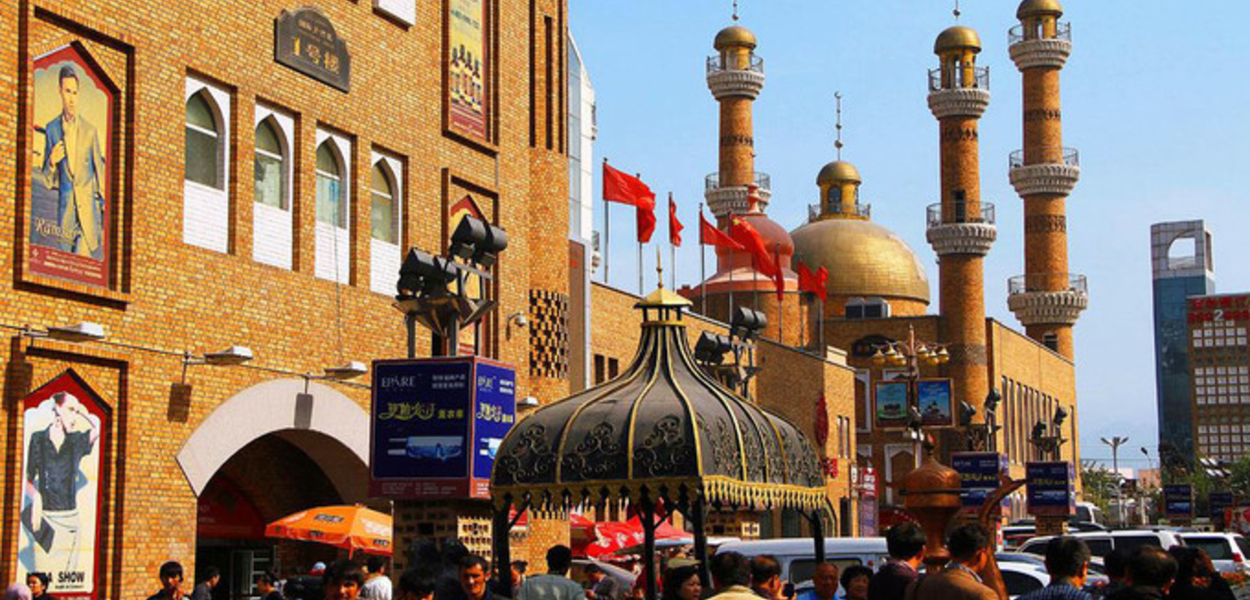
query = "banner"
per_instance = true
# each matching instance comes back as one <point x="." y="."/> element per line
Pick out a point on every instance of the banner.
<point x="891" y="402"/>
<point x="64" y="426"/>
<point x="1178" y="502"/>
<point x="467" y="68"/>
<point x="933" y="399"/>
<point x="1050" y="488"/>
<point x="70" y="199"/>
<point x="1217" y="502"/>
<point x="979" y="474"/>
<point x="436" y="424"/>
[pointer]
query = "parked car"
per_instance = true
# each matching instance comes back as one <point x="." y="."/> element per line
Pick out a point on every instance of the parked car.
<point x="798" y="555"/>
<point x="1229" y="551"/>
<point x="1022" y="577"/>
<point x="1101" y="543"/>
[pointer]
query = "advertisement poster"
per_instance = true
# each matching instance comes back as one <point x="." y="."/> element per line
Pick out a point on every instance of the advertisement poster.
<point x="70" y="207"/>
<point x="891" y="402"/>
<point x="1178" y="501"/>
<point x="434" y="421"/>
<point x="933" y="398"/>
<point x="1050" y="490"/>
<point x="62" y="426"/>
<point x="467" y="67"/>
<point x="979" y="474"/>
<point x="1217" y="503"/>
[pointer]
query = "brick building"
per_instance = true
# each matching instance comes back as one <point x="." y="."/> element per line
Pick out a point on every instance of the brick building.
<point x="1219" y="375"/>
<point x="191" y="178"/>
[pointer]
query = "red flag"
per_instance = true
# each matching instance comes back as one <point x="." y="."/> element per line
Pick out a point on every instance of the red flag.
<point x="709" y="235"/>
<point x="646" y="224"/>
<point x="779" y="274"/>
<point x="619" y="187"/>
<point x="674" y="226"/>
<point x="813" y="282"/>
<point x="745" y="234"/>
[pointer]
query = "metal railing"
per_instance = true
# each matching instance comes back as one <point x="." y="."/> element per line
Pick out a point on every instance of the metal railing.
<point x="815" y="212"/>
<point x="1047" y="282"/>
<point x="959" y="78"/>
<point x="934" y="214"/>
<point x="1019" y="33"/>
<point x="1069" y="157"/>
<point x="717" y="63"/>
<point x="763" y="180"/>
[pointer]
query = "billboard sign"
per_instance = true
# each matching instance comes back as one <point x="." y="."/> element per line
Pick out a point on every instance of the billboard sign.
<point x="1178" y="501"/>
<point x="436" y="424"/>
<point x="1218" y="501"/>
<point x="891" y="404"/>
<point x="934" y="399"/>
<point x="979" y="474"/>
<point x="1050" y="488"/>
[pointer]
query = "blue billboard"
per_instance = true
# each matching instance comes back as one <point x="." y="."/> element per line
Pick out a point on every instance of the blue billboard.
<point x="436" y="424"/>
<point x="1178" y="501"/>
<point x="1050" y="488"/>
<point x="979" y="475"/>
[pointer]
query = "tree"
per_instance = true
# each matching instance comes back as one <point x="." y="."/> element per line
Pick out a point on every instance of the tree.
<point x="1099" y="484"/>
<point x="1239" y="477"/>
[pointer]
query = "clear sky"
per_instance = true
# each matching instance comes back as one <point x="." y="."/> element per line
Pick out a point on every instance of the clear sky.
<point x="1154" y="97"/>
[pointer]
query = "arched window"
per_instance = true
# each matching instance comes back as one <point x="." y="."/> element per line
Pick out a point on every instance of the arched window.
<point x="270" y="169"/>
<point x="204" y="144"/>
<point x="330" y="205"/>
<point x="383" y="204"/>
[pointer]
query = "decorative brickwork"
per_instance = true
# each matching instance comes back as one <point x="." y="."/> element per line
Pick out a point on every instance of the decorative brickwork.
<point x="549" y="334"/>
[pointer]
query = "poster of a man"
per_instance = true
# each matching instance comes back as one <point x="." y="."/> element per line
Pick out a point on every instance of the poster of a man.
<point x="60" y="486"/>
<point x="69" y="176"/>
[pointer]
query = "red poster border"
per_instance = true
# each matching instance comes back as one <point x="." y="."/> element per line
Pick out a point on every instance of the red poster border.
<point x="70" y="381"/>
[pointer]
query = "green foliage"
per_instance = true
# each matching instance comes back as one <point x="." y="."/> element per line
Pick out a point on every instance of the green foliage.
<point x="1239" y="477"/>
<point x="1099" y="485"/>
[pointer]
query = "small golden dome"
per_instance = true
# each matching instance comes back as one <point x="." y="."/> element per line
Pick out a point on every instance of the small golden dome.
<point x="1039" y="8"/>
<point x="838" y="171"/>
<point x="734" y="36"/>
<point x="957" y="38"/>
<point x="863" y="259"/>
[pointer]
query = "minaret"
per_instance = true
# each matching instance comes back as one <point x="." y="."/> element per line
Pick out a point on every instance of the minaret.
<point x="1047" y="299"/>
<point x="961" y="228"/>
<point x="735" y="76"/>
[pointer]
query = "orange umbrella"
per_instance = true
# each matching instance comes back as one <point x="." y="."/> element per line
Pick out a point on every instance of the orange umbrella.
<point x="350" y="527"/>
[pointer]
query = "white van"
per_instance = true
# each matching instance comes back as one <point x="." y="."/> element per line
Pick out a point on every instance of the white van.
<point x="1101" y="543"/>
<point x="798" y="555"/>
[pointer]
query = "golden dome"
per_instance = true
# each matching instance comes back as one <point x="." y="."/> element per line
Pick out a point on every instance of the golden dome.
<point x="957" y="38"/>
<point x="838" y="171"/>
<point x="1039" y="8"/>
<point x="734" y="35"/>
<point x="863" y="258"/>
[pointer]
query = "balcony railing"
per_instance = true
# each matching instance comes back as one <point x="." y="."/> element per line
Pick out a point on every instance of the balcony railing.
<point x="934" y="214"/>
<point x="959" y="78"/>
<point x="763" y="180"/>
<point x="1069" y="157"/>
<point x="1047" y="282"/>
<point x="814" y="211"/>
<point x="717" y="63"/>
<point x="1020" y="33"/>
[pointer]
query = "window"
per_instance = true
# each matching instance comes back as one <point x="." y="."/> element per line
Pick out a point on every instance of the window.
<point x="383" y="206"/>
<point x="204" y="144"/>
<point x="834" y="198"/>
<point x="870" y="308"/>
<point x="330" y="206"/>
<point x="270" y="171"/>
<point x="1050" y="340"/>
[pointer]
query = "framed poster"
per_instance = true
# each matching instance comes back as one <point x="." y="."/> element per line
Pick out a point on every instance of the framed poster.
<point x="64" y="429"/>
<point x="71" y="203"/>
<point x="1050" y="488"/>
<point x="468" y="65"/>
<point x="934" y="401"/>
<point x="891" y="404"/>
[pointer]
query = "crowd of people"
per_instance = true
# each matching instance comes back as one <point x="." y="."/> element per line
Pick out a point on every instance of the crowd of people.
<point x="452" y="573"/>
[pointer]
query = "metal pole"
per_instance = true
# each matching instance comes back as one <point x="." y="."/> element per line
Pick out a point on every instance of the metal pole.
<point x="697" y="513"/>
<point x="702" y="261"/>
<point x="607" y="232"/>
<point x="648" y="547"/>
<point x="820" y="326"/>
<point x="640" y="269"/>
<point x="503" y="552"/>
<point x="818" y="536"/>
<point x="730" y="315"/>
<point x="410" y="323"/>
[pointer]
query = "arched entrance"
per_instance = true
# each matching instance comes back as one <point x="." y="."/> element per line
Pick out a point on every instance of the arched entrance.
<point x="267" y="452"/>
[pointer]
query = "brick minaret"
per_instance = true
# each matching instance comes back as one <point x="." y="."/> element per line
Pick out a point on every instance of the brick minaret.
<point x="1047" y="299"/>
<point x="735" y="76"/>
<point x="961" y="228"/>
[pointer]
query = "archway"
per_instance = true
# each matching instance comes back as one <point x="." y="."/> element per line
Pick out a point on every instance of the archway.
<point x="269" y="451"/>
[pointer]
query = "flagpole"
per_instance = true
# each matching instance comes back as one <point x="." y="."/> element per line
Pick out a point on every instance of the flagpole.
<point x="781" y="300"/>
<point x="702" y="261"/>
<point x="607" y="229"/>
<point x="640" y="269"/>
<point x="820" y="325"/>
<point x="803" y="329"/>
<point x="729" y="316"/>
<point x="672" y="250"/>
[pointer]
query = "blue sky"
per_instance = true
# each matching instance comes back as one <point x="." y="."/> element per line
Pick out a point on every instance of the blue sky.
<point x="1154" y="97"/>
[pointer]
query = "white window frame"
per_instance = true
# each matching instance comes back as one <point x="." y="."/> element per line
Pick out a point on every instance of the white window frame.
<point x="206" y="209"/>
<point x="330" y="236"/>
<point x="273" y="238"/>
<point x="385" y="257"/>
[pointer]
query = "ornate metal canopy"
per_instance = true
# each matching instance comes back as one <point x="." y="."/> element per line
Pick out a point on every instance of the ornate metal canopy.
<point x="663" y="429"/>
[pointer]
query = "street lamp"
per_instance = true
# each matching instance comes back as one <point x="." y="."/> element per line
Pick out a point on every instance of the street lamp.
<point x="909" y="353"/>
<point x="85" y="331"/>
<point x="1115" y="444"/>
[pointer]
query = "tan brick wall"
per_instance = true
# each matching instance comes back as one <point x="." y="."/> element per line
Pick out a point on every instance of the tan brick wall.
<point x="174" y="297"/>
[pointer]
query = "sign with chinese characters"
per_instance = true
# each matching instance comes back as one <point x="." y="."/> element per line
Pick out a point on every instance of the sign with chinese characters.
<point x="1224" y="307"/>
<point x="305" y="40"/>
<point x="1178" y="502"/>
<point x="891" y="404"/>
<point x="436" y="424"/>
<point x="71" y="200"/>
<point x="1050" y="488"/>
<point x="64" y="438"/>
<point x="979" y="474"/>
<point x="934" y="400"/>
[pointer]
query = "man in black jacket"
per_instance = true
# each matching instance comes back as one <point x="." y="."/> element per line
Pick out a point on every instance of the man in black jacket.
<point x="905" y="542"/>
<point x="1150" y="574"/>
